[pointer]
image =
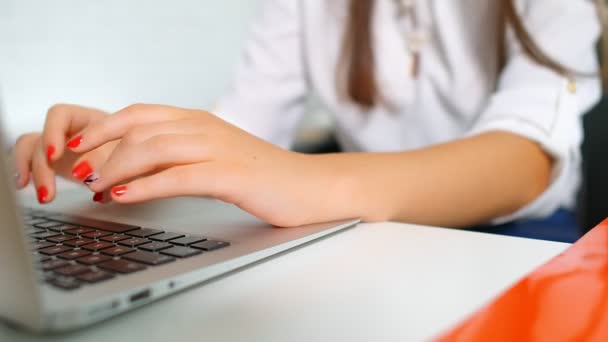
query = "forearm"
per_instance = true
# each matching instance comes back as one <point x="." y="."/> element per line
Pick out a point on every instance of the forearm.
<point x="456" y="184"/>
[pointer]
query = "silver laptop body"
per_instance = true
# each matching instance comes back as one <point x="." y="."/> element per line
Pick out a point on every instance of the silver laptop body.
<point x="28" y="302"/>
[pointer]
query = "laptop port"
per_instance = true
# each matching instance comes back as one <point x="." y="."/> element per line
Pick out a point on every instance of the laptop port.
<point x="140" y="295"/>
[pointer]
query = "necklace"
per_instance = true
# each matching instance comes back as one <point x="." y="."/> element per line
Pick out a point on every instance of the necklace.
<point x="414" y="37"/>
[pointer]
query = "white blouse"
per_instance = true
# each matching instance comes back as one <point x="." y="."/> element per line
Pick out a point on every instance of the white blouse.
<point x="295" y="46"/>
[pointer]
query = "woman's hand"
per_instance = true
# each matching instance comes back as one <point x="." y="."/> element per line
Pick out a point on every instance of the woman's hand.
<point x="42" y="156"/>
<point x="166" y="152"/>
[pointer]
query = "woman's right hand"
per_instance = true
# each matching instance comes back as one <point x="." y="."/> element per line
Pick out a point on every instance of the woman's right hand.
<point x="39" y="157"/>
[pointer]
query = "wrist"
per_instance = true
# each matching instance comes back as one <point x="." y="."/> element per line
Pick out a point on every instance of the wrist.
<point x="345" y="187"/>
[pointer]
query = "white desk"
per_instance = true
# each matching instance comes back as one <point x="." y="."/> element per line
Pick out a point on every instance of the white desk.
<point x="385" y="281"/>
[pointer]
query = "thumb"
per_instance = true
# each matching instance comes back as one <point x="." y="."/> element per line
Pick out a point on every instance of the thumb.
<point x="201" y="179"/>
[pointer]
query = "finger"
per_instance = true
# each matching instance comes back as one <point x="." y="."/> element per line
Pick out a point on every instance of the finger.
<point x="63" y="120"/>
<point x="201" y="179"/>
<point x="117" y="125"/>
<point x="102" y="197"/>
<point x="144" y="132"/>
<point x="23" y="153"/>
<point x="85" y="165"/>
<point x="43" y="175"/>
<point x="159" y="152"/>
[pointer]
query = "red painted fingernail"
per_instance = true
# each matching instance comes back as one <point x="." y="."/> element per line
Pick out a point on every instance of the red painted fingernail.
<point x="119" y="190"/>
<point x="82" y="170"/>
<point x="50" y="150"/>
<point x="98" y="197"/>
<point x="75" y="142"/>
<point x="43" y="194"/>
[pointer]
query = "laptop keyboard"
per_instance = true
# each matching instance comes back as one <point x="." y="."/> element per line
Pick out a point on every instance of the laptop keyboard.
<point x="72" y="252"/>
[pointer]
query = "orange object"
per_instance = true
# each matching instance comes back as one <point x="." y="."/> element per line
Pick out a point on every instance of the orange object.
<point x="43" y="194"/>
<point x="565" y="299"/>
<point x="74" y="142"/>
<point x="119" y="190"/>
<point x="98" y="197"/>
<point x="82" y="170"/>
<point x="50" y="150"/>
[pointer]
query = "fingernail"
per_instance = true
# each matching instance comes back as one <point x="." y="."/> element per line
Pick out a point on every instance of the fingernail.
<point x="82" y="170"/>
<point x="43" y="194"/>
<point x="17" y="178"/>
<point x="50" y="150"/>
<point x="75" y="142"/>
<point x="119" y="190"/>
<point x="93" y="177"/>
<point x="98" y="197"/>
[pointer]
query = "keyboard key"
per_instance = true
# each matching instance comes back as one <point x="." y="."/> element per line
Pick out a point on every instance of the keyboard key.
<point x="63" y="227"/>
<point x="47" y="276"/>
<point x="188" y="240"/>
<point x="33" y="221"/>
<point x="132" y="242"/>
<point x="96" y="234"/>
<point x="210" y="245"/>
<point x="33" y="230"/>
<point x="149" y="258"/>
<point x="54" y="250"/>
<point x="71" y="270"/>
<point x="144" y="232"/>
<point x="166" y="236"/>
<point x="117" y="251"/>
<point x="121" y="266"/>
<point x="53" y="264"/>
<point x="79" y="231"/>
<point x="78" y="242"/>
<point x="180" y="252"/>
<point x="43" y="258"/>
<point x="75" y="254"/>
<point x="98" y="224"/>
<point x="47" y="224"/>
<point x="96" y="246"/>
<point x="155" y="246"/>
<point x="95" y="276"/>
<point x="44" y="235"/>
<point x="61" y="238"/>
<point x="94" y="259"/>
<point x="65" y="283"/>
<point x="42" y="244"/>
<point x="114" y="238"/>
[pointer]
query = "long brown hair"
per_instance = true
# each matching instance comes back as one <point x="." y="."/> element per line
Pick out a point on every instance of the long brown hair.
<point x="357" y="74"/>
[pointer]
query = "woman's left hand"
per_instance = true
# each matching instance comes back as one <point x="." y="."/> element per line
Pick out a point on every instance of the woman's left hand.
<point x="166" y="152"/>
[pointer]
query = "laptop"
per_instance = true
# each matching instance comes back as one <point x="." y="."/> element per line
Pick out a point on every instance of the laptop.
<point x="73" y="262"/>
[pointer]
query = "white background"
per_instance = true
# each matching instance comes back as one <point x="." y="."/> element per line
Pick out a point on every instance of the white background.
<point x="110" y="53"/>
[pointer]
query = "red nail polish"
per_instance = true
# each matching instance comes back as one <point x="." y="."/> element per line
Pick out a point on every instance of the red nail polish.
<point x="82" y="170"/>
<point x="50" y="150"/>
<point x="43" y="194"/>
<point x="119" y="190"/>
<point x="98" y="197"/>
<point x="75" y="142"/>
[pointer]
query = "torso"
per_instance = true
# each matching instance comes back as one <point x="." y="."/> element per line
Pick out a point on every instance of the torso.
<point x="457" y="73"/>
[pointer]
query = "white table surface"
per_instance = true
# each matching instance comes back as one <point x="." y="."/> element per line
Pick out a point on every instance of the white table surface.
<point x="383" y="281"/>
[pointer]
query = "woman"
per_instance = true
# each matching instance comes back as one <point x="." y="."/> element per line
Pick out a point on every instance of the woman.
<point x="454" y="113"/>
